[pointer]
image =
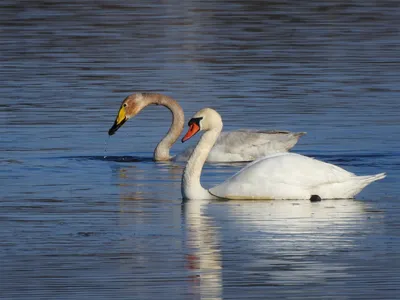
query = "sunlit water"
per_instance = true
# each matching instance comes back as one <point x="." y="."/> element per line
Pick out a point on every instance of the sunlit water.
<point x="85" y="216"/>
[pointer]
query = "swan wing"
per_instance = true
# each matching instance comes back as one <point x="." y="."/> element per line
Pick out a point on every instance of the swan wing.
<point x="281" y="176"/>
<point x="247" y="145"/>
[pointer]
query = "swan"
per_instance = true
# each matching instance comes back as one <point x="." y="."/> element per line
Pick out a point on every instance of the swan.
<point x="234" y="146"/>
<point x="277" y="176"/>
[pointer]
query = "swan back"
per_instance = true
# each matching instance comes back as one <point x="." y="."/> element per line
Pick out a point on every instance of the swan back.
<point x="247" y="145"/>
<point x="291" y="176"/>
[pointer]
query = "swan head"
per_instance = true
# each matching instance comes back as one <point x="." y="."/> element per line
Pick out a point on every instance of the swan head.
<point x="204" y="120"/>
<point x="129" y="108"/>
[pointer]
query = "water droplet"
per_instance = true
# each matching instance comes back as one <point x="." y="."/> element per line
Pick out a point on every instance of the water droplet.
<point x="105" y="147"/>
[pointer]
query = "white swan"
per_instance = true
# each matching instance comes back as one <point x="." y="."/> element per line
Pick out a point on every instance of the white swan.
<point x="240" y="145"/>
<point x="278" y="176"/>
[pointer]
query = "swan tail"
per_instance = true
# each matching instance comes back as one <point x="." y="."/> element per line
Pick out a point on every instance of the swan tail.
<point x="299" y="134"/>
<point x="293" y="138"/>
<point x="363" y="181"/>
<point x="347" y="189"/>
<point x="371" y="178"/>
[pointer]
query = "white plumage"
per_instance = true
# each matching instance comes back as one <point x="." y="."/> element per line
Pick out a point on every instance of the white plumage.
<point x="246" y="145"/>
<point x="292" y="176"/>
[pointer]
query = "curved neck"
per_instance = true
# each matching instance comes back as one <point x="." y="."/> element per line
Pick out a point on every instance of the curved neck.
<point x="191" y="186"/>
<point x="178" y="118"/>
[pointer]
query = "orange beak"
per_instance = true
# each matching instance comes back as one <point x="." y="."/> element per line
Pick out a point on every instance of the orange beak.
<point x="193" y="129"/>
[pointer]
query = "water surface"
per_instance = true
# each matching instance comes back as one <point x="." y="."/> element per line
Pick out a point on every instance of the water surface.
<point x="85" y="216"/>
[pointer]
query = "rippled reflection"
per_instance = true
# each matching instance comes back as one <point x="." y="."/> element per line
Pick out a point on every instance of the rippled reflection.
<point x="204" y="257"/>
<point x="278" y="243"/>
<point x="147" y="181"/>
<point x="293" y="241"/>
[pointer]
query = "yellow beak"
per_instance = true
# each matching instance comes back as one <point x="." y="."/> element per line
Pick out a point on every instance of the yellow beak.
<point x="119" y="121"/>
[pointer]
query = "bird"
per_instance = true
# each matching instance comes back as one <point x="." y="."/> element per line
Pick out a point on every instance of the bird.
<point x="233" y="146"/>
<point x="274" y="177"/>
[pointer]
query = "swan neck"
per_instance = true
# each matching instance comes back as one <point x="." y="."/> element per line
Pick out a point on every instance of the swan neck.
<point x="191" y="186"/>
<point x="161" y="152"/>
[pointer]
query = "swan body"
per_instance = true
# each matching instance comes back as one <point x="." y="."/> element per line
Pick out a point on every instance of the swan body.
<point x="277" y="176"/>
<point x="233" y="146"/>
<point x="292" y="176"/>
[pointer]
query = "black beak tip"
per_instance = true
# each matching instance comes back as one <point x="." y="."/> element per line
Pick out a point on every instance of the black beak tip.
<point x="115" y="127"/>
<point x="111" y="131"/>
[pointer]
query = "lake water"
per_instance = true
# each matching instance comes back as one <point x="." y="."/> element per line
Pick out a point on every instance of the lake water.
<point x="85" y="216"/>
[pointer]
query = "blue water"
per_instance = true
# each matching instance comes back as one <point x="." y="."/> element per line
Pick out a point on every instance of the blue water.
<point x="85" y="216"/>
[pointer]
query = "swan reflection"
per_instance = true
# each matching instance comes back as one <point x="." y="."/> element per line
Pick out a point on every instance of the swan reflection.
<point x="291" y="242"/>
<point x="271" y="242"/>
<point x="204" y="255"/>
